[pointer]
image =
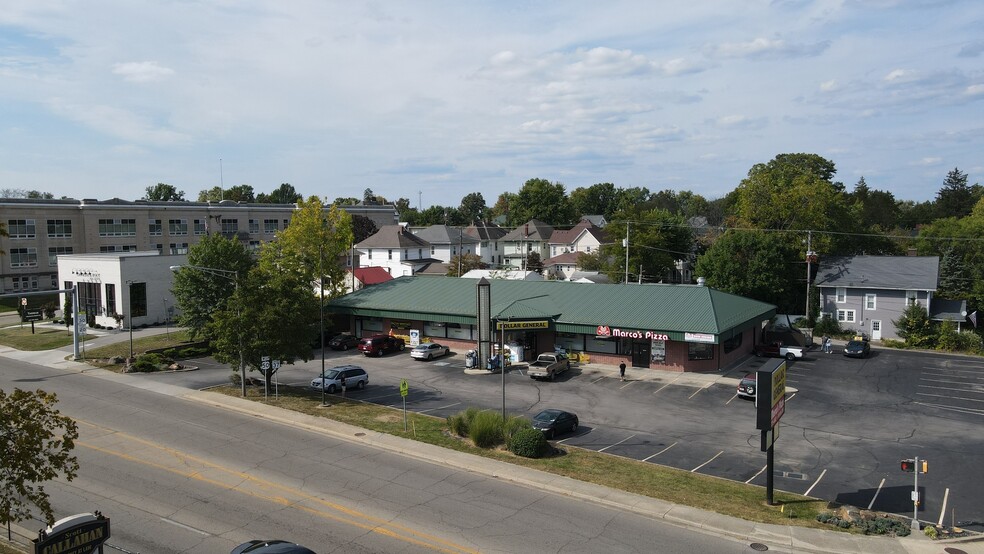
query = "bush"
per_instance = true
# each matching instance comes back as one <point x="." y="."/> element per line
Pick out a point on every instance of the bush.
<point x="512" y="426"/>
<point x="144" y="365"/>
<point x="529" y="443"/>
<point x="931" y="532"/>
<point x="458" y="425"/>
<point x="827" y="326"/>
<point x="485" y="430"/>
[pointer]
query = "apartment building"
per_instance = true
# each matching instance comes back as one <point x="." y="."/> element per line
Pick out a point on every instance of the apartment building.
<point x="39" y="230"/>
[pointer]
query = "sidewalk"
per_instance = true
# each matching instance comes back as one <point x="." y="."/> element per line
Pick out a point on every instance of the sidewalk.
<point x="782" y="537"/>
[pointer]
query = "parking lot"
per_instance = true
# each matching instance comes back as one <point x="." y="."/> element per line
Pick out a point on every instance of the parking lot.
<point x="847" y="425"/>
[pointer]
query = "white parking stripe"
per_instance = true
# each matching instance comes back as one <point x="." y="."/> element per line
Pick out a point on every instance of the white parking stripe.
<point x="878" y="490"/>
<point x="617" y="443"/>
<point x="698" y="390"/>
<point x="625" y="385"/>
<point x="946" y="495"/>
<point x="752" y="478"/>
<point x="666" y="385"/>
<point x="822" y="473"/>
<point x="598" y="379"/>
<point x="949" y="397"/>
<point x="660" y="452"/>
<point x="972" y="411"/>
<point x="441" y="408"/>
<point x="707" y="462"/>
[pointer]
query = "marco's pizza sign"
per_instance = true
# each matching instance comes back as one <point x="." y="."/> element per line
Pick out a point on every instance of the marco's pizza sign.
<point x="607" y="332"/>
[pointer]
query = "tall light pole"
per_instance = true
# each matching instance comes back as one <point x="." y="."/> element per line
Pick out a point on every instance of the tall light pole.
<point x="129" y="315"/>
<point x="321" y="287"/>
<point x="233" y="276"/>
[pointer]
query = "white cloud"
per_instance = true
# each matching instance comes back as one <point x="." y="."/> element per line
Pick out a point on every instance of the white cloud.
<point x="828" y="86"/>
<point x="142" y="72"/>
<point x="930" y="161"/>
<point x="766" y="48"/>
<point x="899" y="76"/>
<point x="974" y="90"/>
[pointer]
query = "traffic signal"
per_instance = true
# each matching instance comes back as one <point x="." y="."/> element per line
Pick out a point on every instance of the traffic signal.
<point x="925" y="466"/>
<point x="908" y="466"/>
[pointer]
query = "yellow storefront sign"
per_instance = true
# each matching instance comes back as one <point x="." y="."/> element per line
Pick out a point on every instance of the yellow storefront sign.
<point x="511" y="325"/>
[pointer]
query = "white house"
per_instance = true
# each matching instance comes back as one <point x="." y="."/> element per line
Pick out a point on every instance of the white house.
<point x="490" y="242"/>
<point x="532" y="236"/>
<point x="396" y="249"/>
<point x="447" y="242"/>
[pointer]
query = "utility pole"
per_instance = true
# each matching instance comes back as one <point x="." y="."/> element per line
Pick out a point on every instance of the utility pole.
<point x="809" y="259"/>
<point x="626" y="245"/>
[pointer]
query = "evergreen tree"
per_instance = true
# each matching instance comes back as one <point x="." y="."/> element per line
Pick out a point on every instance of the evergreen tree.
<point x="955" y="199"/>
<point x="915" y="327"/>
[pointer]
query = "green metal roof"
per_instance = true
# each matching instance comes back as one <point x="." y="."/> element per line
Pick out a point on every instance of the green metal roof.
<point x="575" y="307"/>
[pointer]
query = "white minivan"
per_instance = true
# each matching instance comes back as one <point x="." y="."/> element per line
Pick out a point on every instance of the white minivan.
<point x="349" y="376"/>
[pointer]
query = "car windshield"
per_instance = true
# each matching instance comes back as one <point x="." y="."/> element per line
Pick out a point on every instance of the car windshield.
<point x="332" y="374"/>
<point x="546" y="416"/>
<point x="854" y="344"/>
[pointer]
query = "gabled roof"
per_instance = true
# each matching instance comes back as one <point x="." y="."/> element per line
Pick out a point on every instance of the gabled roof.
<point x="372" y="275"/>
<point x="589" y="277"/>
<point x="393" y="236"/>
<point x="442" y="234"/>
<point x="486" y="231"/>
<point x="596" y="220"/>
<point x="567" y="258"/>
<point x="568" y="236"/>
<point x="575" y="307"/>
<point x="531" y="230"/>
<point x="880" y="272"/>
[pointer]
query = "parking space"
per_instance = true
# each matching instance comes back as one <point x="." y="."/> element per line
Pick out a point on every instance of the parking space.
<point x="953" y="385"/>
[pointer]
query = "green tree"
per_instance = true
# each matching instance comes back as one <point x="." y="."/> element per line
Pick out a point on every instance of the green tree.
<point x="467" y="263"/>
<point x="36" y="444"/>
<point x="540" y="199"/>
<point x="632" y="198"/>
<point x="284" y="194"/>
<point x="40" y="195"/>
<point x="362" y="228"/>
<point x="214" y="194"/>
<point x="199" y="293"/>
<point x="755" y="264"/>
<point x="955" y="199"/>
<point x="163" y="192"/>
<point x="472" y="208"/>
<point x="502" y="205"/>
<point x="915" y="327"/>
<point x="240" y="193"/>
<point x="657" y="239"/>
<point x="953" y="279"/>
<point x="589" y="261"/>
<point x="596" y="199"/>
<point x="534" y="263"/>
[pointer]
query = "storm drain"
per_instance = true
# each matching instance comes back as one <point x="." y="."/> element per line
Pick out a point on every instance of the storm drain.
<point x="758" y="547"/>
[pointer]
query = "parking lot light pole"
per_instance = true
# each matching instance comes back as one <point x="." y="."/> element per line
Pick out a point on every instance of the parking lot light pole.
<point x="233" y="276"/>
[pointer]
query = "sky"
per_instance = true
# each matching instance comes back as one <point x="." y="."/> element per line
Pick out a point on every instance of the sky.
<point x="430" y="101"/>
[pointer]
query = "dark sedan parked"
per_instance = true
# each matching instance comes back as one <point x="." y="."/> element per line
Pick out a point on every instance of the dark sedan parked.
<point x="551" y="422"/>
<point x="857" y="349"/>
<point x="343" y="342"/>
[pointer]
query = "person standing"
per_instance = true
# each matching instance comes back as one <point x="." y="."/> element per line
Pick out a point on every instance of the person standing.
<point x="823" y="343"/>
<point x="621" y="371"/>
<point x="828" y="346"/>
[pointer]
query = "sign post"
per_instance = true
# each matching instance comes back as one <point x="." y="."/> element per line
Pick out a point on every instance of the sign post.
<point x="770" y="405"/>
<point x="404" y="391"/>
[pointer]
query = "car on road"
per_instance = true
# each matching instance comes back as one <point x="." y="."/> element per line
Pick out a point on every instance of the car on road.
<point x="377" y="345"/>
<point x="353" y="377"/>
<point x="429" y="351"/>
<point x="857" y="349"/>
<point x="551" y="422"/>
<point x="343" y="341"/>
<point x="270" y="547"/>
<point x="746" y="387"/>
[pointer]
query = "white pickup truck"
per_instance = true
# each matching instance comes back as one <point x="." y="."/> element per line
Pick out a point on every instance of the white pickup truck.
<point x="547" y="366"/>
<point x="780" y="350"/>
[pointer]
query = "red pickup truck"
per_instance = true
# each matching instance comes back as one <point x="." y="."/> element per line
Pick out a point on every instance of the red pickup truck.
<point x="779" y="350"/>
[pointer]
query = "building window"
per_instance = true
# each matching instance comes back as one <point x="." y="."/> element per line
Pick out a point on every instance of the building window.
<point x="911" y="297"/>
<point x="254" y="245"/>
<point x="230" y="226"/>
<point x="138" y="299"/>
<point x="21" y="228"/>
<point x="177" y="227"/>
<point x="254" y="226"/>
<point x="155" y="228"/>
<point x="23" y="257"/>
<point x="269" y="226"/>
<point x="118" y="248"/>
<point x="117" y="227"/>
<point x="54" y="281"/>
<point x="178" y="248"/>
<point x="59" y="228"/>
<point x="110" y="299"/>
<point x="845" y="316"/>
<point x="159" y="247"/>
<point x="370" y="253"/>
<point x="389" y="254"/>
<point x="405" y="255"/>
<point x="420" y="253"/>
<point x="53" y="253"/>
<point x="841" y="295"/>
<point x="732" y="343"/>
<point x="432" y="250"/>
<point x="26" y="282"/>
<point x="869" y="301"/>
<point x="700" y="351"/>
<point x="286" y="223"/>
<point x="587" y="249"/>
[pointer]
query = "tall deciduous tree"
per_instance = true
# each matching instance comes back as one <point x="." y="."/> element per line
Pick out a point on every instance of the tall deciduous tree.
<point x="472" y="208"/>
<point x="756" y="264"/>
<point x="199" y="293"/>
<point x="461" y="264"/>
<point x="502" y="206"/>
<point x="540" y="199"/>
<point x="597" y="199"/>
<point x="240" y="193"/>
<point x="163" y="192"/>
<point x="214" y="194"/>
<point x="36" y="444"/>
<point x="657" y="239"/>
<point x="284" y="194"/>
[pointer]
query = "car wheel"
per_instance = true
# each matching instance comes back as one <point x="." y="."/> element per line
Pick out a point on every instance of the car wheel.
<point x="344" y="347"/>
<point x="552" y="376"/>
<point x="360" y="385"/>
<point x="379" y="353"/>
<point x="551" y="434"/>
<point x="402" y="347"/>
<point x="574" y="427"/>
<point x="790" y="356"/>
<point x="331" y="389"/>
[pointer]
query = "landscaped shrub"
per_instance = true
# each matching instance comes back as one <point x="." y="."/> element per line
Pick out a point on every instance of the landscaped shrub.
<point x="529" y="443"/>
<point x="458" y="424"/>
<point x="827" y="326"/>
<point x="144" y="364"/>
<point x="485" y="430"/>
<point x="512" y="426"/>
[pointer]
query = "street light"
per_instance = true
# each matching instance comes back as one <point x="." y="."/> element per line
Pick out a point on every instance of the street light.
<point x="233" y="276"/>
<point x="129" y="312"/>
<point x="321" y="283"/>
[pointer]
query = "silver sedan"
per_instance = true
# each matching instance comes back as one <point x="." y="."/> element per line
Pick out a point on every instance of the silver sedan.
<point x="429" y="351"/>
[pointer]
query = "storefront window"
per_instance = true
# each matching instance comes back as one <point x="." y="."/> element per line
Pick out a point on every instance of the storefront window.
<point x="456" y="331"/>
<point x="700" y="351"/>
<point x="434" y="329"/>
<point x="570" y="341"/>
<point x="605" y="346"/>
<point x="658" y="351"/>
<point x="372" y="325"/>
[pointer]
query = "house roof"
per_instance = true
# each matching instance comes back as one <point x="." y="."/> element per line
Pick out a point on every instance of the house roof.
<point x="372" y="275"/>
<point x="589" y="277"/>
<point x="567" y="258"/>
<point x="442" y="234"/>
<point x="880" y="272"/>
<point x="435" y="267"/>
<point x="486" y="231"/>
<point x="575" y="307"/>
<point x="597" y="220"/>
<point x="531" y="230"/>
<point x="568" y="236"/>
<point x="503" y="274"/>
<point x="393" y="236"/>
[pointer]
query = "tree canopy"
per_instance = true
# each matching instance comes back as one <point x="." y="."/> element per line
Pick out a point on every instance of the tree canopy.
<point x="163" y="192"/>
<point x="540" y="199"/>
<point x="657" y="239"/>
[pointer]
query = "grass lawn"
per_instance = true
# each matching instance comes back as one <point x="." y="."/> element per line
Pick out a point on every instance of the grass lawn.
<point x="45" y="337"/>
<point x="101" y="356"/>
<point x="673" y="485"/>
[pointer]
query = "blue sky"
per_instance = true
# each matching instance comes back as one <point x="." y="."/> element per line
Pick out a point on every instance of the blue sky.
<point x="433" y="100"/>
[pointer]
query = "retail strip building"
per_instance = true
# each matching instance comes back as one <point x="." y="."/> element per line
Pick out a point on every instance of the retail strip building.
<point x="672" y="327"/>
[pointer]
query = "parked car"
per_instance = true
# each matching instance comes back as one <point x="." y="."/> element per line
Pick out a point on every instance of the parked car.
<point x="548" y="365"/>
<point x="780" y="350"/>
<point x="354" y="376"/>
<point x="746" y="387"/>
<point x="857" y="349"/>
<point x="270" y="547"/>
<point x="343" y="341"/>
<point x="377" y="345"/>
<point x="429" y="351"/>
<point x="551" y="422"/>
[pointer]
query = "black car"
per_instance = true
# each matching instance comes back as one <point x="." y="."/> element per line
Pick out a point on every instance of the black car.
<point x="746" y="388"/>
<point x="857" y="349"/>
<point x="343" y="342"/>
<point x="270" y="547"/>
<point x="551" y="422"/>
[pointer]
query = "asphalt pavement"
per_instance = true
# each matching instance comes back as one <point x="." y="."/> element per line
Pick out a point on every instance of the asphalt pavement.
<point x="790" y="538"/>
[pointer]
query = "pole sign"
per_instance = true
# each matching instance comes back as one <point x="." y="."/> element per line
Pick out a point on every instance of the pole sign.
<point x="404" y="388"/>
<point x="33" y="314"/>
<point x="78" y="534"/>
<point x="771" y="398"/>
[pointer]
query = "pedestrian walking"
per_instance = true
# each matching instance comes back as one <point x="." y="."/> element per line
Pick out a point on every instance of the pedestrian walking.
<point x="828" y="346"/>
<point x="621" y="371"/>
<point x="823" y="343"/>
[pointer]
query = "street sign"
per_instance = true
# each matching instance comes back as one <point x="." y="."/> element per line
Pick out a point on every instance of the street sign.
<point x="23" y="301"/>
<point x="404" y="388"/>
<point x="33" y="315"/>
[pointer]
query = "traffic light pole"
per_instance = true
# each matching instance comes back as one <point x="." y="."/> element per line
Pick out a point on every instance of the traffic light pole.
<point x="915" y="496"/>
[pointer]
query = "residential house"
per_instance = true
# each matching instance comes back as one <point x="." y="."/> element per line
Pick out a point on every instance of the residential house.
<point x="395" y="249"/>
<point x="447" y="242"/>
<point x="532" y="236"/>
<point x="508" y="274"/>
<point x="565" y="244"/>
<point x="489" y="236"/>
<point x="869" y="293"/>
